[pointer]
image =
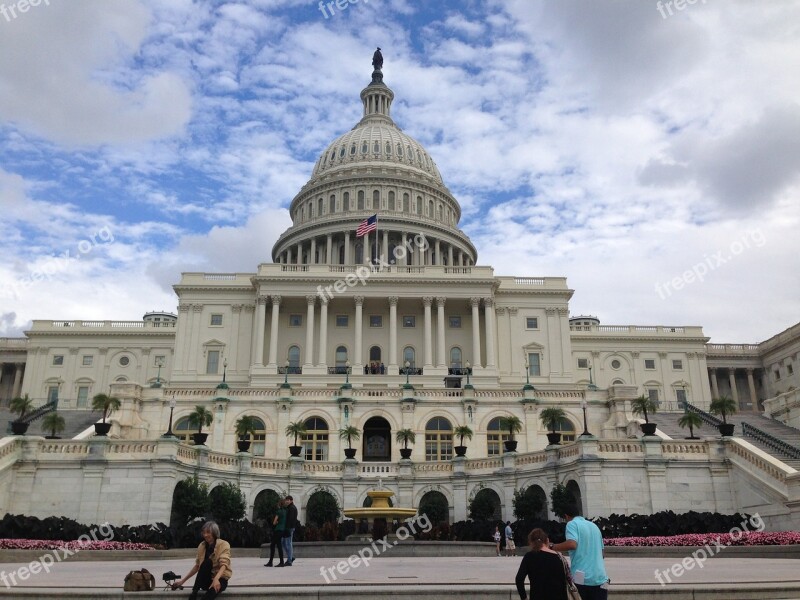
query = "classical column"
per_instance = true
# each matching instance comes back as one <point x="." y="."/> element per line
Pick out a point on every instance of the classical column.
<point x="450" y="255"/>
<point x="367" y="251"/>
<point x="312" y="254"/>
<point x="288" y="256"/>
<point x="488" y="313"/>
<point x="441" y="350"/>
<point x="347" y="248"/>
<point x="438" y="246"/>
<point x="329" y="249"/>
<point x="357" y="364"/>
<point x="476" y="332"/>
<point x="16" y="390"/>
<point x="311" y="300"/>
<point x="403" y="240"/>
<point x="261" y="318"/>
<point x="714" y="384"/>
<point x="392" y="333"/>
<point x="323" y="332"/>
<point x="427" y="301"/>
<point x="734" y="391"/>
<point x="273" y="331"/>
<point x="751" y="384"/>
<point x="299" y="253"/>
<point x="385" y="247"/>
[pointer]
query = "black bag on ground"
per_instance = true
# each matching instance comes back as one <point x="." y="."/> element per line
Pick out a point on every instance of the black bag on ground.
<point x="139" y="581"/>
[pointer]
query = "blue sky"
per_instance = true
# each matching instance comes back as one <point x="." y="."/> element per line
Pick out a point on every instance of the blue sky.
<point x="633" y="151"/>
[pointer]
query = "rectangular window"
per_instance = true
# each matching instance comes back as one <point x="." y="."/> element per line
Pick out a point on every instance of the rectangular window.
<point x="532" y="323"/>
<point x="455" y="322"/>
<point x="52" y="393"/>
<point x="681" y="395"/>
<point x="789" y="369"/>
<point x="375" y="321"/>
<point x="653" y="395"/>
<point x="216" y="320"/>
<point x="777" y="374"/>
<point x="583" y="363"/>
<point x="295" y="320"/>
<point x="87" y="360"/>
<point x="212" y="362"/>
<point x="160" y="359"/>
<point x="58" y="360"/>
<point x="534" y="368"/>
<point x="342" y="320"/>
<point x="409" y="321"/>
<point x="677" y="365"/>
<point x="650" y="364"/>
<point x="83" y="397"/>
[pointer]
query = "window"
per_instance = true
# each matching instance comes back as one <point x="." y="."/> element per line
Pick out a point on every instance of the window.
<point x="532" y="323"/>
<point x="216" y="320"/>
<point x="87" y="360"/>
<point x="376" y="199"/>
<point x="566" y="429"/>
<point x="83" y="396"/>
<point x="653" y="395"/>
<point x="681" y="396"/>
<point x="257" y="438"/>
<point x="315" y="440"/>
<point x="650" y="364"/>
<point x="346" y="201"/>
<point x="341" y="356"/>
<point x="212" y="362"/>
<point x="438" y="439"/>
<point x="409" y="356"/>
<point x="375" y="355"/>
<point x="409" y="321"/>
<point x="342" y="320"/>
<point x="534" y="366"/>
<point x="124" y="361"/>
<point x="295" y="320"/>
<point x="364" y="148"/>
<point x="615" y="364"/>
<point x="583" y="363"/>
<point x="391" y="201"/>
<point x="58" y="360"/>
<point x="388" y="148"/>
<point x="495" y="437"/>
<point x="406" y="202"/>
<point x="375" y="321"/>
<point x="455" y="322"/>
<point x="183" y="430"/>
<point x="332" y="204"/>
<point x="677" y="365"/>
<point x="455" y="358"/>
<point x="777" y="374"/>
<point x="376" y="147"/>
<point x="52" y="393"/>
<point x="789" y="369"/>
<point x="293" y="356"/>
<point x="360" y="202"/>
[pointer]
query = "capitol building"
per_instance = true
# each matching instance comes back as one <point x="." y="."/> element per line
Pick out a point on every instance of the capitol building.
<point x="391" y="324"/>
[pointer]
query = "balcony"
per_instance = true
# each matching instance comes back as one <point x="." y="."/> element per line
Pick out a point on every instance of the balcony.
<point x="290" y="370"/>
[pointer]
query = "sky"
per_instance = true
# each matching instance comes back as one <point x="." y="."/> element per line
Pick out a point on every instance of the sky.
<point x="648" y="153"/>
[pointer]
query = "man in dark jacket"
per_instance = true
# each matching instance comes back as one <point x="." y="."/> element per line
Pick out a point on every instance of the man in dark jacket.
<point x="291" y="523"/>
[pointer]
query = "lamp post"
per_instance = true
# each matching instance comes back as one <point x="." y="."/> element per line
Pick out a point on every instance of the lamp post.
<point x="286" y="376"/>
<point x="347" y="374"/>
<point x="592" y="387"/>
<point x="585" y="428"/>
<point x="468" y="370"/>
<point x="169" y="433"/>
<point x="224" y="369"/>
<point x="159" y="364"/>
<point x="408" y="371"/>
<point x="527" y="372"/>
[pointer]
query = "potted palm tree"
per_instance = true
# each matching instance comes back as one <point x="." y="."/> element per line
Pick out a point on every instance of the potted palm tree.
<point x="691" y="420"/>
<point x="513" y="425"/>
<point x="644" y="405"/>
<point x="54" y="423"/>
<point x="20" y="406"/>
<point x="551" y="417"/>
<point x="246" y="426"/>
<point x="404" y="436"/>
<point x="107" y="404"/>
<point x="296" y="429"/>
<point x="462" y="431"/>
<point x="200" y="417"/>
<point x="349" y="433"/>
<point x="724" y="406"/>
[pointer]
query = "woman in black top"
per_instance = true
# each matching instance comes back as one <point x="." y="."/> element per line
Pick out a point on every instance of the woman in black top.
<point x="544" y="569"/>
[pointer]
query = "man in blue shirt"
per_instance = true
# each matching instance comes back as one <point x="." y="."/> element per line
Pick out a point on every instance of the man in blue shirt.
<point x="585" y="545"/>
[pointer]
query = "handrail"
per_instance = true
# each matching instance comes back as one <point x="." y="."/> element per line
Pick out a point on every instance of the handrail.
<point x="770" y="440"/>
<point x="39" y="412"/>
<point x="707" y="418"/>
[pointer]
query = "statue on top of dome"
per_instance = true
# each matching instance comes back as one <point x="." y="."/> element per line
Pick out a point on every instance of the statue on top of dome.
<point x="377" y="60"/>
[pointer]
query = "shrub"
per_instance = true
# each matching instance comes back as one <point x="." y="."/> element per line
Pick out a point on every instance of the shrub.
<point x="434" y="505"/>
<point x="483" y="506"/>
<point x="560" y="499"/>
<point x="527" y="505"/>
<point x="227" y="503"/>
<point x="322" y="508"/>
<point x="189" y="501"/>
<point x="265" y="506"/>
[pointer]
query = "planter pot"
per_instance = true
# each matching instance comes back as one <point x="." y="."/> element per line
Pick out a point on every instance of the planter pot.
<point x="52" y="437"/>
<point x="405" y="453"/>
<point x="295" y="450"/>
<point x="199" y="438"/>
<point x="460" y="450"/>
<point x="726" y="429"/>
<point x="243" y="445"/>
<point x="553" y="439"/>
<point x="18" y="427"/>
<point x="648" y="428"/>
<point x="102" y="428"/>
<point x="510" y="445"/>
<point x="350" y="452"/>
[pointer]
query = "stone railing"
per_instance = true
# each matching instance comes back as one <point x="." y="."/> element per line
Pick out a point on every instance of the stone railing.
<point x="70" y="447"/>
<point x="378" y="469"/>
<point x="431" y="467"/>
<point x="10" y="451"/>
<point x="620" y="447"/>
<point x="268" y="465"/>
<point x="684" y="447"/>
<point x="322" y="467"/>
<point x="769" y="470"/>
<point x="770" y="441"/>
<point x="105" y="325"/>
<point x="637" y="330"/>
<point x="483" y="464"/>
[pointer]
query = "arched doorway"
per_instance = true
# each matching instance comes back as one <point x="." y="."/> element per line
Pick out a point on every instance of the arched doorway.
<point x="575" y="490"/>
<point x="434" y="505"/>
<point x="486" y="506"/>
<point x="377" y="440"/>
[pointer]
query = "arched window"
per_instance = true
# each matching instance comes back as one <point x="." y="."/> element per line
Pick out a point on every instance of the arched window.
<point x="455" y="357"/>
<point x="410" y="153"/>
<point x="360" y="204"/>
<point x="566" y="429"/>
<point x="341" y="152"/>
<point x="495" y="437"/>
<point x="376" y="199"/>
<point x="294" y="358"/>
<point x="315" y="439"/>
<point x="257" y="438"/>
<point x="332" y="204"/>
<point x="364" y="148"/>
<point x="346" y="202"/>
<point x="438" y="439"/>
<point x="406" y="204"/>
<point x="319" y="207"/>
<point x="376" y="147"/>
<point x="399" y="149"/>
<point x="183" y="431"/>
<point x="332" y="156"/>
<point x="341" y="356"/>
<point x="352" y="150"/>
<point x="388" y="148"/>
<point x="439" y="212"/>
<point x="430" y="208"/>
<point x="419" y="205"/>
<point x="409" y="356"/>
<point x="391" y="201"/>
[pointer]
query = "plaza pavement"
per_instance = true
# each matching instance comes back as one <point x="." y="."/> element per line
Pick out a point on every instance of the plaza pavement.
<point x="429" y="578"/>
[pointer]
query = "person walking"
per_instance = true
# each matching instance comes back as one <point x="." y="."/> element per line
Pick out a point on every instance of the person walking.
<point x="511" y="547"/>
<point x="212" y="564"/>
<point x="278" y="530"/>
<point x="291" y="523"/>
<point x="585" y="544"/>
<point x="543" y="568"/>
<point x="496" y="537"/>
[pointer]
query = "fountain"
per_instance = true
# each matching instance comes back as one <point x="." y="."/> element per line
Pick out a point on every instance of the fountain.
<point x="380" y="510"/>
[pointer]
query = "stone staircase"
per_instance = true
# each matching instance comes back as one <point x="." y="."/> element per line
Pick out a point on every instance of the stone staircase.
<point x="668" y="425"/>
<point x="76" y="422"/>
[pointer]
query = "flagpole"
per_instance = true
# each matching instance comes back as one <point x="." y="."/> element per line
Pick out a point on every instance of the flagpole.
<point x="375" y="262"/>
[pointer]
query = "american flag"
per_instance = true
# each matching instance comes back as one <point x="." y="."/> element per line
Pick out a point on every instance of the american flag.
<point x="367" y="225"/>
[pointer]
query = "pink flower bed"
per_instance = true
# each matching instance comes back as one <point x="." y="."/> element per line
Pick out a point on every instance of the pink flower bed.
<point x="746" y="538"/>
<point x="71" y="545"/>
